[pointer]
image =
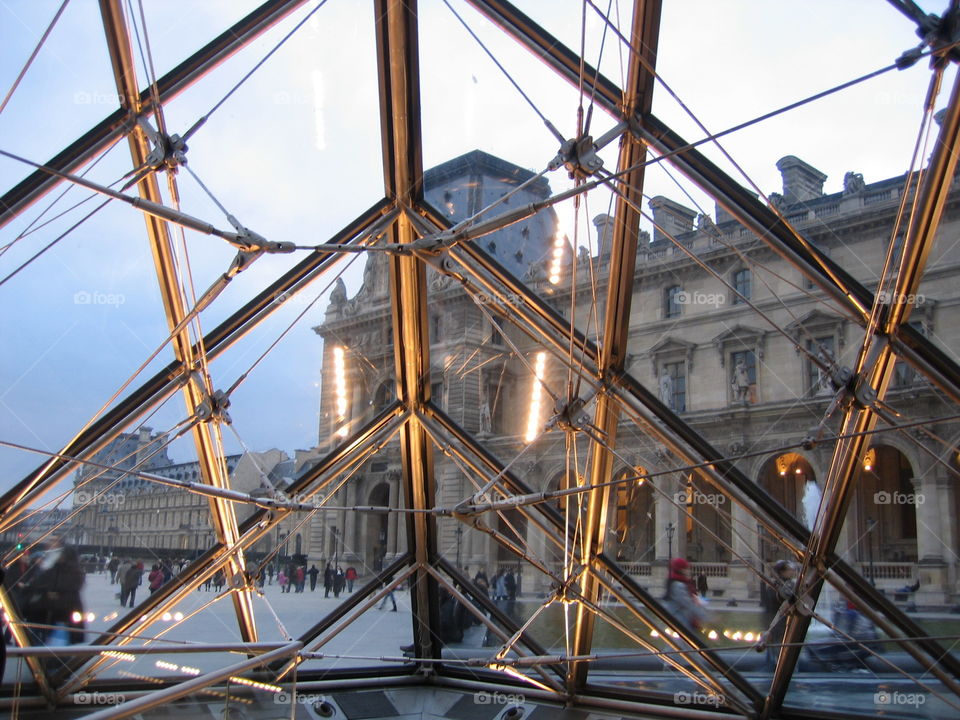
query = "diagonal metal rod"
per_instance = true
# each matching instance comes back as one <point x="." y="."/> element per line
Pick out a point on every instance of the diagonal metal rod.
<point x="616" y="330"/>
<point x="116" y="125"/>
<point x="873" y="374"/>
<point x="206" y="436"/>
<point x="96" y="435"/>
<point x="398" y="69"/>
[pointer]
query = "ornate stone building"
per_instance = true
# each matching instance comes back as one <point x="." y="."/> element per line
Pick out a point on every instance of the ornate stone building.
<point x="724" y="331"/>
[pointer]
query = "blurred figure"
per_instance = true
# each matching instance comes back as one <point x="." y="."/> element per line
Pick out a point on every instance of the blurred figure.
<point x="113" y="566"/>
<point x="313" y="573"/>
<point x="682" y="595"/>
<point x="351" y="577"/>
<point x="781" y="589"/>
<point x="54" y="596"/>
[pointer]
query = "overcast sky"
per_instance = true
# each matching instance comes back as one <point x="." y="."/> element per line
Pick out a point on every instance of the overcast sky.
<point x="295" y="154"/>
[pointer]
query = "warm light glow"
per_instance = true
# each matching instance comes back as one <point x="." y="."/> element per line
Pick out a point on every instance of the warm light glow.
<point x="164" y="665"/>
<point x="536" y="394"/>
<point x="255" y="684"/>
<point x="76" y="617"/>
<point x="726" y="633"/>
<point x="178" y="616"/>
<point x="91" y="616"/>
<point x="736" y="636"/>
<point x="553" y="273"/>
<point x="340" y="383"/>
<point x="186" y="669"/>
<point x="513" y="672"/>
<point x="748" y="637"/>
<point x="166" y="617"/>
<point x="129" y="657"/>
<point x="798" y="471"/>
<point x="869" y="460"/>
<point x="712" y="634"/>
<point x="111" y="616"/>
<point x="654" y="634"/>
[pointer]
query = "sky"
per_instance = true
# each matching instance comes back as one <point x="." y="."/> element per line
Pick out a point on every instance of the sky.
<point x="295" y="154"/>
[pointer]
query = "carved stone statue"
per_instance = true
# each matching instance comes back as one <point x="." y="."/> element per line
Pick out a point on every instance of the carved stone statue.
<point x="486" y="421"/>
<point x="338" y="296"/>
<point x="740" y="382"/>
<point x="666" y="388"/>
<point x="776" y="200"/>
<point x="853" y="183"/>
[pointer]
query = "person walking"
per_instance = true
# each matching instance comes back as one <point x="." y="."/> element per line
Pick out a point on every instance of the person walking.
<point x="53" y="597"/>
<point x="113" y="566"/>
<point x="682" y="595"/>
<point x="327" y="580"/>
<point x="283" y="581"/>
<point x="339" y="582"/>
<point x="782" y="588"/>
<point x="132" y="579"/>
<point x="155" y="579"/>
<point x="313" y="573"/>
<point x="351" y="577"/>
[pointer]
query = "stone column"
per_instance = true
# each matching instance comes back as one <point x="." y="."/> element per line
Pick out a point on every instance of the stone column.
<point x="934" y="534"/>
<point x="743" y="583"/>
<point x="392" y="520"/>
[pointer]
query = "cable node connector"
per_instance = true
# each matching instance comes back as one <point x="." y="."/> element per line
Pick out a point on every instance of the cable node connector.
<point x="249" y="241"/>
<point x="571" y="416"/>
<point x="214" y="407"/>
<point x="579" y="157"/>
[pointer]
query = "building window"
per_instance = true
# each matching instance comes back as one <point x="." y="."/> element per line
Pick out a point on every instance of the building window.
<point x="671" y="302"/>
<point x="435" y="327"/>
<point x="436" y="393"/>
<point x="496" y="332"/>
<point x="903" y="374"/>
<point x="741" y="286"/>
<point x="818" y="381"/>
<point x="743" y="376"/>
<point x="673" y="385"/>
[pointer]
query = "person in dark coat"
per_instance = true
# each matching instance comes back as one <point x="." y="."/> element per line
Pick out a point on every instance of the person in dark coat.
<point x="339" y="581"/>
<point x="131" y="580"/>
<point x="53" y="597"/>
<point x="327" y="580"/>
<point x="313" y="573"/>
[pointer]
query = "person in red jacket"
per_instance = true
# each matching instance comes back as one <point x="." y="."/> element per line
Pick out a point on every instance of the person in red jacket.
<point x="155" y="578"/>
<point x="351" y="577"/>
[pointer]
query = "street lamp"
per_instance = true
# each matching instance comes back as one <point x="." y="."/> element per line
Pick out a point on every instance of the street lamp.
<point x="670" y="531"/>
<point x="871" y="524"/>
<point x="459" y="533"/>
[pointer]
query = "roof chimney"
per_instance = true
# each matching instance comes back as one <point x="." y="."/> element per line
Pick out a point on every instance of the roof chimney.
<point x="801" y="182"/>
<point x="670" y="218"/>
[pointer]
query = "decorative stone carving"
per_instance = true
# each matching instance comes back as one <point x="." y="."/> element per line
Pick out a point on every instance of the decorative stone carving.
<point x="740" y="382"/>
<point x="853" y="183"/>
<point x="338" y="296"/>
